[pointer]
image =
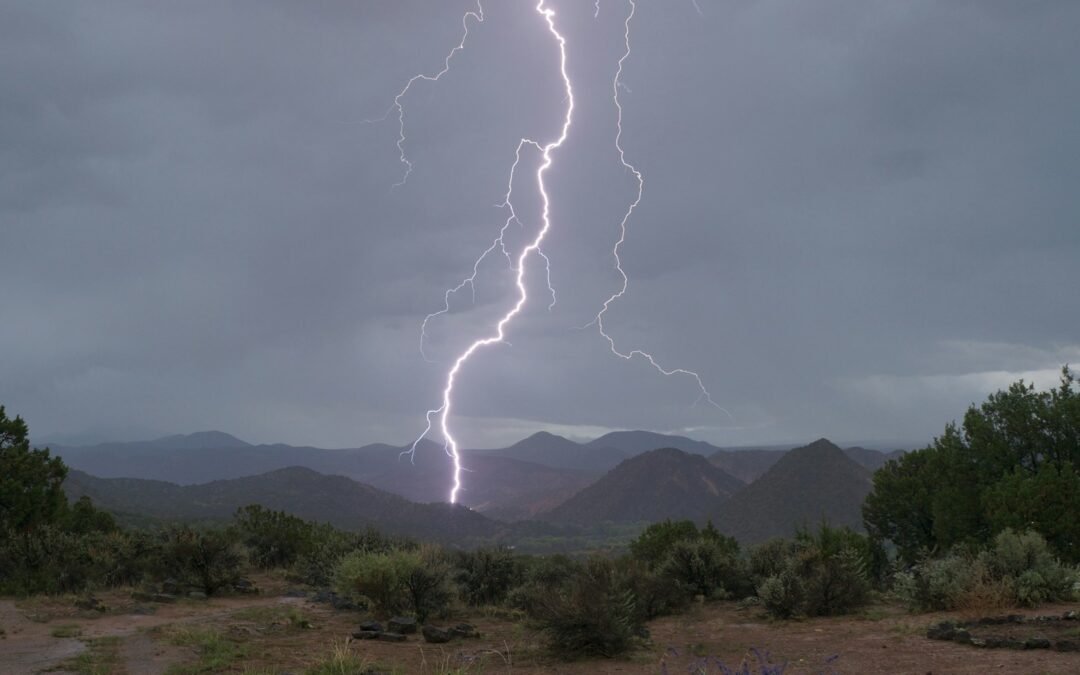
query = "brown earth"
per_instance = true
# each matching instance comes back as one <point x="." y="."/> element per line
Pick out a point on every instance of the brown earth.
<point x="883" y="639"/>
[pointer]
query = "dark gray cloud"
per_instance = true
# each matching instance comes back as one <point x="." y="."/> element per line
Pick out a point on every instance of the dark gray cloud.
<point x="858" y="217"/>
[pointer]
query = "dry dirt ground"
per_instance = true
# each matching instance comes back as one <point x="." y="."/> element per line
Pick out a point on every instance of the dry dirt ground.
<point x="271" y="633"/>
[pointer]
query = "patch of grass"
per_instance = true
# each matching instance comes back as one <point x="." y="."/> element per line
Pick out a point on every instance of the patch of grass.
<point x="102" y="657"/>
<point x="66" y="631"/>
<point x="215" y="651"/>
<point x="874" y="614"/>
<point x="289" y="617"/>
<point x="342" y="661"/>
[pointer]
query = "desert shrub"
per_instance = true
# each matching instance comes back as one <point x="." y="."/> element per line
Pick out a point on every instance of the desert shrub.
<point x="818" y="574"/>
<point x="486" y="575"/>
<point x="273" y="538"/>
<point x="211" y="559"/>
<point x="781" y="594"/>
<point x="704" y="567"/>
<point x="657" y="541"/>
<point x="316" y="566"/>
<point x="833" y="583"/>
<point x="426" y="581"/>
<point x="770" y="558"/>
<point x="397" y="580"/>
<point x="1018" y="569"/>
<point x="540" y="576"/>
<point x="592" y="614"/>
<point x="654" y="594"/>
<point x="46" y="560"/>
<point x="124" y="557"/>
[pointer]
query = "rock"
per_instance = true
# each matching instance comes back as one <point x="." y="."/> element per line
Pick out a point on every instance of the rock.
<point x="295" y="593"/>
<point x="197" y="595"/>
<point x="402" y="624"/>
<point x="962" y="636"/>
<point x="338" y="602"/>
<point x="1069" y="615"/>
<point x="170" y="586"/>
<point x="1009" y="643"/>
<point x="993" y="643"/>
<point x="1037" y="643"/>
<point x="367" y="634"/>
<point x="370" y="625"/>
<point x="245" y="586"/>
<point x="392" y="637"/>
<point x="976" y="642"/>
<point x="1067" y="645"/>
<point x="162" y="597"/>
<point x="943" y="631"/>
<point x="464" y="630"/>
<point x="435" y="635"/>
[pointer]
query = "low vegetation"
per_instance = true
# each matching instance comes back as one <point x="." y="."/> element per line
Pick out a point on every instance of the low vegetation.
<point x="940" y="537"/>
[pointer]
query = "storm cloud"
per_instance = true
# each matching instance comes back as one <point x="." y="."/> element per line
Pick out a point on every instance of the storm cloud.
<point x="859" y="216"/>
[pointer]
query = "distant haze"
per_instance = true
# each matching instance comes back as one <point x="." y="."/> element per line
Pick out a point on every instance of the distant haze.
<point x="858" y="218"/>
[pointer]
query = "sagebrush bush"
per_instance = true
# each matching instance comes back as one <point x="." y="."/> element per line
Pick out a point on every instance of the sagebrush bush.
<point x="539" y="576"/>
<point x="486" y="575"/>
<point x="397" y="580"/>
<point x="818" y="574"/>
<point x="704" y="567"/>
<point x="1018" y="569"/>
<point x="209" y="559"/>
<point x="592" y="614"/>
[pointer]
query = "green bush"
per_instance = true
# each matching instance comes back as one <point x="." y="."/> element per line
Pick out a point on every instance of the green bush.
<point x="486" y="575"/>
<point x="654" y="594"/>
<point x="781" y="594"/>
<point x="210" y="559"/>
<point x="592" y="614"/>
<point x="818" y="574"/>
<point x="274" y="538"/>
<point x="704" y="567"/>
<point x="1018" y="569"/>
<point x="540" y="576"/>
<point x="398" y="580"/>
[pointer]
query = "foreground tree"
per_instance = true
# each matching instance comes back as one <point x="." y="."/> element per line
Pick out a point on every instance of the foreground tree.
<point x="1013" y="464"/>
<point x="30" y="480"/>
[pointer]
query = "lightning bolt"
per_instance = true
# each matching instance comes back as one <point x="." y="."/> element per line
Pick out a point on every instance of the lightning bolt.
<point x="499" y="334"/>
<point x="478" y="16"/>
<point x="441" y="415"/>
<point x="616" y="85"/>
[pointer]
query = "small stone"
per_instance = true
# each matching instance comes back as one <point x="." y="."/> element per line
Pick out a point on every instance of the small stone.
<point x="370" y="625"/>
<point x="976" y="642"/>
<point x="435" y="635"/>
<point x="1069" y="615"/>
<point x="464" y="630"/>
<point x="1037" y="643"/>
<point x="367" y="634"/>
<point x="402" y="624"/>
<point x="392" y="637"/>
<point x="338" y="602"/>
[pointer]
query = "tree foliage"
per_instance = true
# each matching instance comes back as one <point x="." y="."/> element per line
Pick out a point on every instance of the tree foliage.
<point x="1013" y="463"/>
<point x="30" y="483"/>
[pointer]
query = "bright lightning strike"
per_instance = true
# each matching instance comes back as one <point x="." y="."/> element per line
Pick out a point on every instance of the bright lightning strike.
<point x="599" y="320"/>
<point x="518" y="265"/>
<point x="499" y="334"/>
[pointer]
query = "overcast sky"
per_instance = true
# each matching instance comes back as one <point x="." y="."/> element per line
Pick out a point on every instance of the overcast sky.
<point x="859" y="217"/>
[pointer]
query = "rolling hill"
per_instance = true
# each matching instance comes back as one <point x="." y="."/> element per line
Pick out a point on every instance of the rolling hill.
<point x="805" y="485"/>
<point x="562" y="453"/>
<point x="337" y="500"/>
<point x="664" y="483"/>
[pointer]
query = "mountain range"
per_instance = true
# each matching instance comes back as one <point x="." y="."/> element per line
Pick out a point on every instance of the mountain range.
<point x="621" y="477"/>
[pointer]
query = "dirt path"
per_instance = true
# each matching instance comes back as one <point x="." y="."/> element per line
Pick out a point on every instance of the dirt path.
<point x="28" y="645"/>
